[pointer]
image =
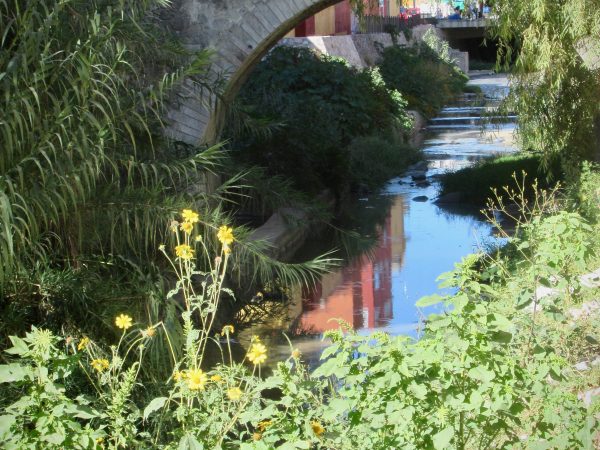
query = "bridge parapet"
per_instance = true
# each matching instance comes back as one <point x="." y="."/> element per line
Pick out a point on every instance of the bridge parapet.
<point x="463" y="23"/>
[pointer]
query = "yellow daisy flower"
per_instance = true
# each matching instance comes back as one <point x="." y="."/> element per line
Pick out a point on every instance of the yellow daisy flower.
<point x="178" y="375"/>
<point x="83" y="343"/>
<point x="234" y="394"/>
<point x="100" y="364"/>
<point x="184" y="251"/>
<point x="263" y="425"/>
<point x="257" y="353"/>
<point x="225" y="235"/>
<point x="196" y="379"/>
<point x="317" y="428"/>
<point x="296" y="354"/>
<point x="216" y="378"/>
<point x="228" y="329"/>
<point x="190" y="216"/>
<point x="149" y="332"/>
<point x="123" y="321"/>
<point x="186" y="227"/>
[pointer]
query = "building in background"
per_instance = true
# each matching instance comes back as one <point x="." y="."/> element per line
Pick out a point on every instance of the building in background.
<point x="340" y="20"/>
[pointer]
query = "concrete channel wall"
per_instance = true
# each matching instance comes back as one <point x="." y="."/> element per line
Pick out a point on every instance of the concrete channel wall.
<point x="363" y="50"/>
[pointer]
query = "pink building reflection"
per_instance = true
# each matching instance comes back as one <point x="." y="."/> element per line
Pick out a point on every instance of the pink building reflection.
<point x="361" y="293"/>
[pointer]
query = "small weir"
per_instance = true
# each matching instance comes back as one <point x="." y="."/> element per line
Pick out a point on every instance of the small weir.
<point x="415" y="238"/>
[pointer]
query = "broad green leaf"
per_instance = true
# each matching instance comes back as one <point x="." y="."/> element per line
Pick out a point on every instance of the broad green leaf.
<point x="10" y="373"/>
<point x="418" y="390"/>
<point x="189" y="442"/>
<point x="442" y="439"/>
<point x="19" y="347"/>
<point x="480" y="373"/>
<point x="429" y="300"/>
<point x="6" y="422"/>
<point x="154" y="405"/>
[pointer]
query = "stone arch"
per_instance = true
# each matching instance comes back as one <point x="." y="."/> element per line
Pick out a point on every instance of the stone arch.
<point x="240" y="32"/>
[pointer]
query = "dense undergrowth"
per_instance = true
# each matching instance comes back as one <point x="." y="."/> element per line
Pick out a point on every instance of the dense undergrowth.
<point x="89" y="184"/>
<point x="477" y="183"/>
<point x="501" y="368"/>
<point x="325" y="117"/>
<point x="424" y="73"/>
<point x="118" y="358"/>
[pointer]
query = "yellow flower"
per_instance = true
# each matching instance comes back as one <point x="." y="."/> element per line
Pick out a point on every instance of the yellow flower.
<point x="226" y="249"/>
<point x="190" y="216"/>
<point x="196" y="379"/>
<point x="187" y="227"/>
<point x="198" y="238"/>
<point x="256" y="436"/>
<point x="100" y="364"/>
<point x="234" y="394"/>
<point x="296" y="354"/>
<point x="83" y="343"/>
<point x="123" y="321"/>
<point x="216" y="378"/>
<point x="184" y="251"/>
<point x="228" y="329"/>
<point x="225" y="235"/>
<point x="149" y="332"/>
<point x="178" y="375"/>
<point x="317" y="428"/>
<point x="257" y="353"/>
<point x="161" y="247"/>
<point x="262" y="426"/>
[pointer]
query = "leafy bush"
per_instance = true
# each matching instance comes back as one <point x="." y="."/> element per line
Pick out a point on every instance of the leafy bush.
<point x="585" y="194"/>
<point x="83" y="156"/>
<point x="487" y="373"/>
<point x="423" y="73"/>
<point x="322" y="104"/>
<point x="374" y="160"/>
<point x="477" y="183"/>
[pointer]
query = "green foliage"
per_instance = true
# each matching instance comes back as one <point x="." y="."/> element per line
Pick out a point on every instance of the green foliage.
<point x="424" y="74"/>
<point x="495" y="370"/>
<point x="374" y="160"/>
<point x="322" y="104"/>
<point x="44" y="416"/>
<point x="82" y="157"/>
<point x="585" y="194"/>
<point x="555" y="94"/>
<point x="477" y="183"/>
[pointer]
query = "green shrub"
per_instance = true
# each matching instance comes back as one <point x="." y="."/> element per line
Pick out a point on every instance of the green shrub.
<point x="424" y="74"/>
<point x="476" y="183"/>
<point x="374" y="160"/>
<point x="322" y="104"/>
<point x="585" y="195"/>
<point x="486" y="373"/>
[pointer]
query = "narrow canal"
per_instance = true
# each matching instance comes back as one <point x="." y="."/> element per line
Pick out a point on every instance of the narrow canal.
<point x="409" y="238"/>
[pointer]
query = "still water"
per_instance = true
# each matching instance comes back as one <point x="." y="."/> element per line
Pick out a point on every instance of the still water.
<point x="414" y="240"/>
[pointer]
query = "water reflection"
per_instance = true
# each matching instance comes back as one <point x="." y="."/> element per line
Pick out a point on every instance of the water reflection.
<point x="412" y="243"/>
<point x="360" y="293"/>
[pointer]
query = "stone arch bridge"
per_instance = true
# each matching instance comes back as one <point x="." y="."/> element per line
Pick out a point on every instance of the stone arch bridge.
<point x="240" y="32"/>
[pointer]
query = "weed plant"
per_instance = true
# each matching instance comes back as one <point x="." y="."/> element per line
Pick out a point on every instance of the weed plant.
<point x="321" y="105"/>
<point x="424" y="73"/>
<point x="496" y="370"/>
<point x="477" y="183"/>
